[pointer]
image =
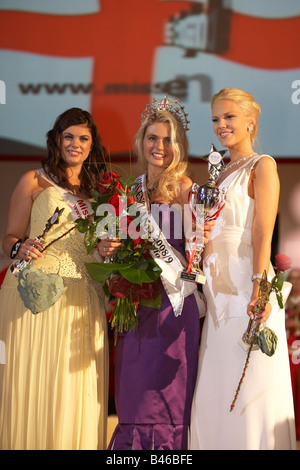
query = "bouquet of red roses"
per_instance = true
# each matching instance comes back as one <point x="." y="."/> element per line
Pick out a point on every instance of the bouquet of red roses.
<point x="131" y="275"/>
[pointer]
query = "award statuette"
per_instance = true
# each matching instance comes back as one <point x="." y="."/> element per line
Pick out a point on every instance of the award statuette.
<point x="206" y="203"/>
<point x="21" y="264"/>
<point x="249" y="338"/>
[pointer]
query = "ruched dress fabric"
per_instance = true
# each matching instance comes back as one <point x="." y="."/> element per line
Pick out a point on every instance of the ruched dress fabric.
<point x="263" y="417"/>
<point x="53" y="387"/>
<point x="155" y="372"/>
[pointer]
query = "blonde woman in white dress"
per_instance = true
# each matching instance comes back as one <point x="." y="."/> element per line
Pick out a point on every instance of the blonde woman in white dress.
<point x="239" y="248"/>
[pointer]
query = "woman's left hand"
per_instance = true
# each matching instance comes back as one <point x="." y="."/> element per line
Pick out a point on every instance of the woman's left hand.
<point x="108" y="247"/>
<point x="208" y="226"/>
<point x="202" y="233"/>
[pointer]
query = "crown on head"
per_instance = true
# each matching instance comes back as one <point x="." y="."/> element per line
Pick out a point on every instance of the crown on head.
<point x="173" y="106"/>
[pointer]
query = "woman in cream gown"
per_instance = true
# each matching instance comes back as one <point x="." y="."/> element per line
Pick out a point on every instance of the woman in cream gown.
<point x="262" y="417"/>
<point x="53" y="386"/>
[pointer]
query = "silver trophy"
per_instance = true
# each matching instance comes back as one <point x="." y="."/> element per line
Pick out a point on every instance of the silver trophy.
<point x="206" y="202"/>
<point x="22" y="264"/>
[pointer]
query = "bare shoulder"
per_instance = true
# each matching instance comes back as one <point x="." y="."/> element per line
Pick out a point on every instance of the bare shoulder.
<point x="185" y="188"/>
<point x="265" y="168"/>
<point x="266" y="162"/>
<point x="27" y="185"/>
<point x="186" y="183"/>
<point x="30" y="178"/>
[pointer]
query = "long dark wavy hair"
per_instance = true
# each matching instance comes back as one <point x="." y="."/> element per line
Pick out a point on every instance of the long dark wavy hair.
<point x="55" y="166"/>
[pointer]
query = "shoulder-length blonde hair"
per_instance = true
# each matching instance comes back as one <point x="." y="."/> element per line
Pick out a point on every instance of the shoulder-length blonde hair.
<point x="245" y="100"/>
<point x="168" y="180"/>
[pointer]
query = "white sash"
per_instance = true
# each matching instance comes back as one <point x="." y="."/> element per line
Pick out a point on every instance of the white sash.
<point x="170" y="261"/>
<point x="79" y="207"/>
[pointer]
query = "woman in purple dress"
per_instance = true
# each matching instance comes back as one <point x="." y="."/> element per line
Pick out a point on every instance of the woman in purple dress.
<point x="156" y="364"/>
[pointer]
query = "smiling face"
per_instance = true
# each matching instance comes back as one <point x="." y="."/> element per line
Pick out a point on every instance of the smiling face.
<point x="231" y="124"/>
<point x="157" y="147"/>
<point x="76" y="143"/>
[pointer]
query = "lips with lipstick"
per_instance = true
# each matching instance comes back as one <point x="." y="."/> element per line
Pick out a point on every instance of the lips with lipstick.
<point x="159" y="155"/>
<point x="73" y="153"/>
<point x="224" y="134"/>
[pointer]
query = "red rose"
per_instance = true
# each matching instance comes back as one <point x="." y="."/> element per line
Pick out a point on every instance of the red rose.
<point x="137" y="241"/>
<point x="282" y="262"/>
<point x="147" y="290"/>
<point x="118" y="203"/>
<point x="119" y="287"/>
<point x="130" y="200"/>
<point x="141" y="241"/>
<point x="117" y="184"/>
<point x="127" y="226"/>
<point x="110" y="176"/>
<point x="103" y="187"/>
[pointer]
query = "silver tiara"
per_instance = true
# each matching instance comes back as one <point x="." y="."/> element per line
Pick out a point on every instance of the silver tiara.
<point x="165" y="104"/>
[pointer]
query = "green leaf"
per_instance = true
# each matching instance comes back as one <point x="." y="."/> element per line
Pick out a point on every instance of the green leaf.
<point x="98" y="197"/>
<point x="153" y="265"/>
<point x="122" y="183"/>
<point x="90" y="239"/>
<point x="142" y="264"/>
<point x="82" y="225"/>
<point x="121" y="255"/>
<point x="130" y="181"/>
<point x="94" y="206"/>
<point x="116" y="266"/>
<point x="156" y="303"/>
<point x="279" y="300"/>
<point x="97" y="271"/>
<point x="150" y="247"/>
<point x="139" y="276"/>
<point x="120" y="192"/>
<point x="279" y="281"/>
<point x="106" y="290"/>
<point x="131" y="193"/>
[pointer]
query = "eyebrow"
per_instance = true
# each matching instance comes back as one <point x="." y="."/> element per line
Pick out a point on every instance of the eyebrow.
<point x="225" y="114"/>
<point x="70" y="133"/>
<point x="156" y="135"/>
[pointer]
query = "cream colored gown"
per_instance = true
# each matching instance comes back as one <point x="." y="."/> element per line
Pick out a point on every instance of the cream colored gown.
<point x="53" y="387"/>
<point x="263" y="416"/>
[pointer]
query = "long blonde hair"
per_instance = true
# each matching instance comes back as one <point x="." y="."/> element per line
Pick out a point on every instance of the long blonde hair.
<point x="245" y="100"/>
<point x="167" y="183"/>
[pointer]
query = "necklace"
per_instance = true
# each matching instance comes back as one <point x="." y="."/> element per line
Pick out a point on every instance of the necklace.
<point x="236" y="162"/>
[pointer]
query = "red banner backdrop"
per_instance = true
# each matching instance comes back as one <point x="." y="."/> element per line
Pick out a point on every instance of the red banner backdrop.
<point x="124" y="40"/>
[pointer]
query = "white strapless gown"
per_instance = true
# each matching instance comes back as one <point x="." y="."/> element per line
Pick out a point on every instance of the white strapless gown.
<point x="263" y="417"/>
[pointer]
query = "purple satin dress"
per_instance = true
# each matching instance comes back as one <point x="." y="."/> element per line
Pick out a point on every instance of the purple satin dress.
<point x="155" y="374"/>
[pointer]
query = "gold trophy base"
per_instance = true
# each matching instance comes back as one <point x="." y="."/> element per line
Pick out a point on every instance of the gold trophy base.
<point x="197" y="277"/>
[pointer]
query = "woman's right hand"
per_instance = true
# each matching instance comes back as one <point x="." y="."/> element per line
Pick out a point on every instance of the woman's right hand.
<point x="202" y="233"/>
<point x="30" y="249"/>
<point x="108" y="247"/>
<point x="264" y="315"/>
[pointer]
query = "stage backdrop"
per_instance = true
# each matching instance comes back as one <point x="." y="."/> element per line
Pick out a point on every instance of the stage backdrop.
<point x="112" y="56"/>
